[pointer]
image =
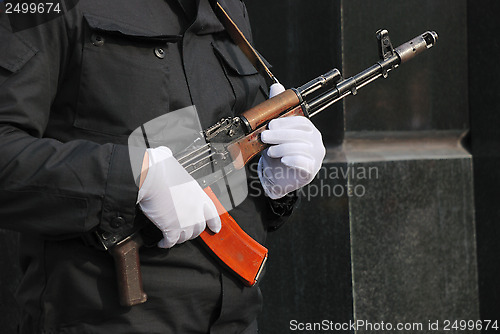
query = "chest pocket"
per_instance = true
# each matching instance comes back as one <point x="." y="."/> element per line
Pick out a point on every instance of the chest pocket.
<point x="15" y="53"/>
<point x="248" y="86"/>
<point x="123" y="76"/>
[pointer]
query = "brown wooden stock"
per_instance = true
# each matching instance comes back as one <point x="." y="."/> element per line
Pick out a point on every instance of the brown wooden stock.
<point x="249" y="146"/>
<point x="271" y="108"/>
<point x="128" y="271"/>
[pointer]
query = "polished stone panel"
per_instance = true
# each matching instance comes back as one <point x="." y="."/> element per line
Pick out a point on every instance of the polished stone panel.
<point x="484" y="75"/>
<point x="412" y="241"/>
<point x="413" y="235"/>
<point x="309" y="268"/>
<point x="428" y="92"/>
<point x="302" y="41"/>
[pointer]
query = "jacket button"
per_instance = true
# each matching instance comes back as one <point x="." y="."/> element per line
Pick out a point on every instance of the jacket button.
<point x="97" y="40"/>
<point x="117" y="222"/>
<point x="160" y="53"/>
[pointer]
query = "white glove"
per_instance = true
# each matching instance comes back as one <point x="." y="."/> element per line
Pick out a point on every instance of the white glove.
<point x="296" y="156"/>
<point x="275" y="89"/>
<point x="174" y="201"/>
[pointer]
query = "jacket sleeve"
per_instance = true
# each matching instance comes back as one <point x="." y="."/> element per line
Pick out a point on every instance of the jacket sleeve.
<point x="50" y="187"/>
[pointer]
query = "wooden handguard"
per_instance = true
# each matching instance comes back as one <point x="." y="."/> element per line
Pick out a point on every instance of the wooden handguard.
<point x="271" y="108"/>
<point x="236" y="249"/>
<point x="249" y="146"/>
<point x="128" y="271"/>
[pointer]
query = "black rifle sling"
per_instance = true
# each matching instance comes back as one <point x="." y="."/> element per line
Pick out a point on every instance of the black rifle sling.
<point x="239" y="39"/>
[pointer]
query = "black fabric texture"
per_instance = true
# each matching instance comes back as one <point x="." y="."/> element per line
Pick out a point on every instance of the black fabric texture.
<point x="71" y="91"/>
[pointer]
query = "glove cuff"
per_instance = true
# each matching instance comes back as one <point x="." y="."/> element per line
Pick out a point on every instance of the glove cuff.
<point x="156" y="156"/>
<point x="267" y="184"/>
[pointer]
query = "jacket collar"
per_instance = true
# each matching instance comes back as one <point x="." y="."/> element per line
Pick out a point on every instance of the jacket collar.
<point x="206" y="20"/>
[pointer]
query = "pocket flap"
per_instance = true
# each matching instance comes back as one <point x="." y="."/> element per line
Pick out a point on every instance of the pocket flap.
<point x="16" y="52"/>
<point x="234" y="57"/>
<point x="116" y="27"/>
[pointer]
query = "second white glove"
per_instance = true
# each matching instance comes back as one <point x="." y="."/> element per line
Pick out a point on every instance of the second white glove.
<point x="174" y="201"/>
<point x="295" y="157"/>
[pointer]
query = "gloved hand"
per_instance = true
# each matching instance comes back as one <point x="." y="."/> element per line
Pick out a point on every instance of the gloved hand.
<point x="295" y="157"/>
<point x="174" y="201"/>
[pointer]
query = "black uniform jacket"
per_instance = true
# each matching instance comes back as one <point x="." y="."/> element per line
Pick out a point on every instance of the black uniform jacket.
<point x="71" y="91"/>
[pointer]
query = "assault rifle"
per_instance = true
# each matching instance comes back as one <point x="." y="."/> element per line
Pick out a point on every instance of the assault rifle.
<point x="233" y="141"/>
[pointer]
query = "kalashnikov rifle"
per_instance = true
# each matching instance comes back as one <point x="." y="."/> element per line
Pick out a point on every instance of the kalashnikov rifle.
<point x="233" y="141"/>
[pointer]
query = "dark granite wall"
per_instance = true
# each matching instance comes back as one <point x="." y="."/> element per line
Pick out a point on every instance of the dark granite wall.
<point x="484" y="76"/>
<point x="409" y="254"/>
<point x="427" y="93"/>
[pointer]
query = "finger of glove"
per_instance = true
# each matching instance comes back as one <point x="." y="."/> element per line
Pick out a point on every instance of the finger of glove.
<point x="286" y="149"/>
<point x="281" y="136"/>
<point x="189" y="201"/>
<point x="276" y="88"/>
<point x="170" y="238"/>
<point x="214" y="224"/>
<point x="185" y="235"/>
<point x="212" y="217"/>
<point x="305" y="165"/>
<point x="197" y="229"/>
<point x="292" y="122"/>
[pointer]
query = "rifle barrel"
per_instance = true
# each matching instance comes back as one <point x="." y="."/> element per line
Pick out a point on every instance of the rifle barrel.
<point x="351" y="85"/>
